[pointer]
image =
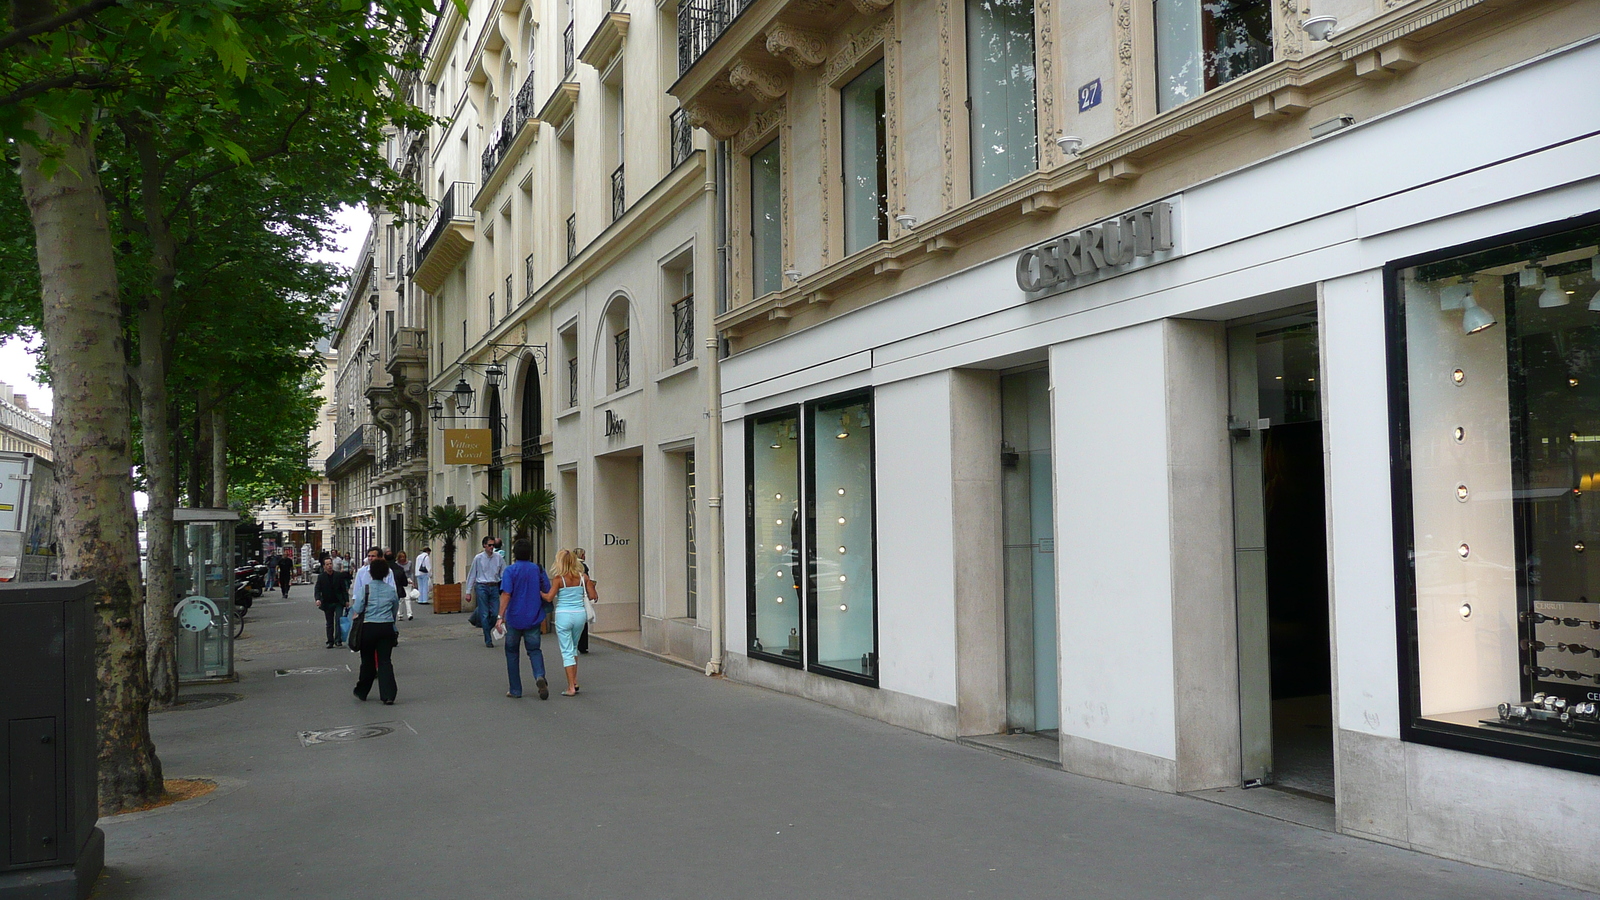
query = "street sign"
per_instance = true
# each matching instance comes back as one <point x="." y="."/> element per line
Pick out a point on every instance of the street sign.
<point x="466" y="447"/>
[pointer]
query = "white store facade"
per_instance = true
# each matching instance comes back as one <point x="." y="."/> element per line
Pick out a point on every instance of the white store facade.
<point x="1169" y="513"/>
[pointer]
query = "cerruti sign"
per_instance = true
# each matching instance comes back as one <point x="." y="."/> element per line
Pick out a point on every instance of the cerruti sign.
<point x="1120" y="244"/>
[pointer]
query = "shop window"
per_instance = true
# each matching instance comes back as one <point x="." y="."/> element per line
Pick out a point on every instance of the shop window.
<point x="825" y="557"/>
<point x="865" y="169"/>
<point x="1000" y="92"/>
<point x="1204" y="44"/>
<point x="1496" y="366"/>
<point x="766" y="219"/>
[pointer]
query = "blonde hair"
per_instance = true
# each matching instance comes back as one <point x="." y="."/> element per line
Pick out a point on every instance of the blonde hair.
<point x="566" y="565"/>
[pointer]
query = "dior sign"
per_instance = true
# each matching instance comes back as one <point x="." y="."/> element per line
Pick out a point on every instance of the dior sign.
<point x="1129" y="241"/>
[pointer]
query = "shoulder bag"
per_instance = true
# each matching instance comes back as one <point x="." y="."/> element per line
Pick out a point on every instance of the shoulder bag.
<point x="356" y="621"/>
<point x="588" y="605"/>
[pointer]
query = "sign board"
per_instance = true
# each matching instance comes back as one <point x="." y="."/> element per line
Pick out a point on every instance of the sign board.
<point x="1133" y="240"/>
<point x="466" y="447"/>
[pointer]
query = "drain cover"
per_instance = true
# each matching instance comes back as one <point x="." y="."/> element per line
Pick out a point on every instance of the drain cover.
<point x="201" y="701"/>
<point x="345" y="734"/>
<point x="312" y="670"/>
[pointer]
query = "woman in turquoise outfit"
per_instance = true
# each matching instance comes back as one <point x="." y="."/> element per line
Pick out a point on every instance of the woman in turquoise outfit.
<point x="568" y="588"/>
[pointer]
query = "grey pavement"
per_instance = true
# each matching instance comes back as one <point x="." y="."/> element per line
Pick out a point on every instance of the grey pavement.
<point x="658" y="782"/>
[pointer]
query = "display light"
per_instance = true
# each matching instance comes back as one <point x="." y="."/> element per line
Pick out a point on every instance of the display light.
<point x="1553" y="296"/>
<point x="1475" y="318"/>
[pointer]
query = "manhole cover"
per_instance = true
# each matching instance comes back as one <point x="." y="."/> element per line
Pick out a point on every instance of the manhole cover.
<point x="201" y="701"/>
<point x="345" y="734"/>
<point x="312" y="670"/>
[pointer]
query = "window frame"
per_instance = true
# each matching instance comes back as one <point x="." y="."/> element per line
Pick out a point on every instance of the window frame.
<point x="776" y="141"/>
<point x="1528" y="747"/>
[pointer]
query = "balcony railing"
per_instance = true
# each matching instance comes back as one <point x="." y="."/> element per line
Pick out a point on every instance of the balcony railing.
<point x="572" y="382"/>
<point x="508" y="295"/>
<point x="619" y="195"/>
<point x="528" y="274"/>
<point x="683" y="330"/>
<point x="522" y="109"/>
<point x="568" y="52"/>
<point x="358" y="441"/>
<point x="456" y="204"/>
<point x="700" y="23"/>
<point x="682" y="135"/>
<point x="395" y="457"/>
<point x="572" y="237"/>
<point x="623" y="367"/>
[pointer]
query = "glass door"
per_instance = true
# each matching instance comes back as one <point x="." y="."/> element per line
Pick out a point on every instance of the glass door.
<point x="1033" y="698"/>
<point x="1280" y="554"/>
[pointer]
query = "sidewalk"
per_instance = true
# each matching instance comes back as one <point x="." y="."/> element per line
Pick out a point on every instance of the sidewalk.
<point x="657" y="782"/>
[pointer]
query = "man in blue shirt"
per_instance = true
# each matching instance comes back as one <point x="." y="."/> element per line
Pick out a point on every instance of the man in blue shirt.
<point x="484" y="576"/>
<point x="523" y="586"/>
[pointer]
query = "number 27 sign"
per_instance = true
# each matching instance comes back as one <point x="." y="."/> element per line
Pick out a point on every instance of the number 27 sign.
<point x="1089" y="96"/>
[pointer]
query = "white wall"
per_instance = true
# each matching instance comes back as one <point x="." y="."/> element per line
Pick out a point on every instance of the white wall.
<point x="1112" y="540"/>
<point x="916" y="580"/>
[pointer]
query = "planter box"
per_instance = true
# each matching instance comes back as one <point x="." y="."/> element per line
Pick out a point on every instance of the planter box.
<point x="446" y="598"/>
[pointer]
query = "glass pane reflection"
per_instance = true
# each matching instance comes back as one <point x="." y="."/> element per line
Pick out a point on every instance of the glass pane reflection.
<point x="841" y="483"/>
<point x="775" y="536"/>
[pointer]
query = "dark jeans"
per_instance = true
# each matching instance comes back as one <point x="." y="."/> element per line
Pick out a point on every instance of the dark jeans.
<point x="377" y="642"/>
<point x="284" y="583"/>
<point x="332" y="612"/>
<point x="488" y="596"/>
<point x="515" y="636"/>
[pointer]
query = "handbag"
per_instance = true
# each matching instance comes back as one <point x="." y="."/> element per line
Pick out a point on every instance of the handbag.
<point x="356" y="621"/>
<point x="588" y="604"/>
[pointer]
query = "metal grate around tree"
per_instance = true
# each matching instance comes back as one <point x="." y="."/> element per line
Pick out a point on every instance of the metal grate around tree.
<point x="621" y="341"/>
<point x="682" y="137"/>
<point x="619" y="195"/>
<point x="683" y="330"/>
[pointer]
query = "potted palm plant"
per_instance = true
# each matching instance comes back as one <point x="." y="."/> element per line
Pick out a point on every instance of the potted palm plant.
<point x="447" y="524"/>
<point x="524" y="514"/>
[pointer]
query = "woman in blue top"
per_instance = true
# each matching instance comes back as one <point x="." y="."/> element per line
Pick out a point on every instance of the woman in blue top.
<point x="376" y="604"/>
<point x="568" y="587"/>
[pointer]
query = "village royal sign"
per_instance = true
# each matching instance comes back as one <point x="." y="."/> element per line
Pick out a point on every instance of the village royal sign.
<point x="1119" y="244"/>
<point x="467" y="447"/>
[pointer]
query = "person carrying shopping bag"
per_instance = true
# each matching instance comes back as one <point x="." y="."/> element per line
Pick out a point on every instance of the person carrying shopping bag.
<point x="523" y="588"/>
<point x="375" y="604"/>
<point x="570" y="588"/>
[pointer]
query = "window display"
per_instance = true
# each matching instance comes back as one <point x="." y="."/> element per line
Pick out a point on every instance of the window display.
<point x="1498" y="367"/>
<point x="835" y="539"/>
<point x="774" y="535"/>
<point x="843" y="607"/>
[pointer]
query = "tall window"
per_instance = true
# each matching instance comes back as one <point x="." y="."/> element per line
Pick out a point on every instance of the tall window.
<point x="1000" y="92"/>
<point x="865" y="169"/>
<point x="834" y="538"/>
<point x="1203" y="44"/>
<point x="766" y="219"/>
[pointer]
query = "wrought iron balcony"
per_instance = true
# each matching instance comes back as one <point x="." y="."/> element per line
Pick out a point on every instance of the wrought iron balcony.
<point x="528" y="274"/>
<point x="454" y="206"/>
<point x="619" y="195"/>
<point x="568" y="51"/>
<point x="683" y="330"/>
<point x="350" y="449"/>
<point x="572" y="237"/>
<point x="682" y="134"/>
<point x="446" y="238"/>
<point x="700" y="23"/>
<point x="572" y="382"/>
<point x="523" y="108"/>
<point x="622" y="359"/>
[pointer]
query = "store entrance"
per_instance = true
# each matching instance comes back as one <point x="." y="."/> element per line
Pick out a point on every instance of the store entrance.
<point x="614" y="558"/>
<point x="1033" y="698"/>
<point x="1281" y="554"/>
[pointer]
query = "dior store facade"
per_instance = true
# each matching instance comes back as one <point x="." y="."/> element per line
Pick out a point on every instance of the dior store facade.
<point x="1287" y="477"/>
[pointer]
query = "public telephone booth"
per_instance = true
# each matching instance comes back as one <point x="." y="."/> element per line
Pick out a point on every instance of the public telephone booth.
<point x="202" y="550"/>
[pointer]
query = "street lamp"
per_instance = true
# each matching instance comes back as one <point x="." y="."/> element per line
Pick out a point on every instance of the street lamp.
<point x="463" y="395"/>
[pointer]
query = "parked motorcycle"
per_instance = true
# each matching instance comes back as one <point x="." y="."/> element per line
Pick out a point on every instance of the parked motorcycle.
<point x="254" y="575"/>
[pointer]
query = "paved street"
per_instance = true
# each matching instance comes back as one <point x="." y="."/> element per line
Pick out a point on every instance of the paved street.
<point x="660" y="782"/>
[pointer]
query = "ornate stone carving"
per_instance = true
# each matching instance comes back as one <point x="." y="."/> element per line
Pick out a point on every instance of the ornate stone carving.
<point x="722" y="122"/>
<point x="947" y="125"/>
<point x="1126" y="114"/>
<point x="1290" y="40"/>
<point x="870" y="7"/>
<point x="855" y="48"/>
<point x="1045" y="84"/>
<point x="891" y="103"/>
<point x="799" y="47"/>
<point x="765" y="84"/>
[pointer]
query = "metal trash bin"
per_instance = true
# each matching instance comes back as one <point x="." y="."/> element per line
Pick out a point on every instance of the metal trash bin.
<point x="49" y="844"/>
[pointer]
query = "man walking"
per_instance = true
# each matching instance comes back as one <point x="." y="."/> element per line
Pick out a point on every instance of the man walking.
<point x="484" y="576"/>
<point x="331" y="599"/>
<point x="285" y="573"/>
<point x="424" y="570"/>
<point x="364" y="574"/>
<point x="340" y="564"/>
<point x="522" y="589"/>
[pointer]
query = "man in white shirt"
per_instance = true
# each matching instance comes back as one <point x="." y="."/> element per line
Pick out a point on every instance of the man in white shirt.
<point x="484" y="576"/>
<point x="364" y="575"/>
<point x="424" y="574"/>
<point x="340" y="564"/>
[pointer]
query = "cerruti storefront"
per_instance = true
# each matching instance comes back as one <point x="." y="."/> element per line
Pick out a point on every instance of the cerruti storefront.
<point x="1289" y="478"/>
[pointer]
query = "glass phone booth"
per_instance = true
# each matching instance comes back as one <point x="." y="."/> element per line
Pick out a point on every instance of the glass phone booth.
<point x="203" y="554"/>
